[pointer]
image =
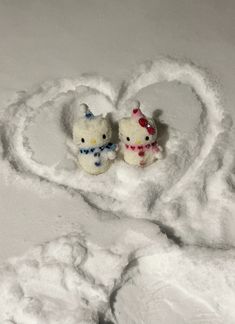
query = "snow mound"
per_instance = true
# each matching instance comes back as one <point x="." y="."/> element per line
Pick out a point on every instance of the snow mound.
<point x="190" y="192"/>
<point x="138" y="279"/>
<point x="45" y="286"/>
<point x="176" y="286"/>
<point x="68" y="280"/>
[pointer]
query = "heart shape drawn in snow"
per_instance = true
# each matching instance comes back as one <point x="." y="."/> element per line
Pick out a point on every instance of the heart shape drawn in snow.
<point x="163" y="191"/>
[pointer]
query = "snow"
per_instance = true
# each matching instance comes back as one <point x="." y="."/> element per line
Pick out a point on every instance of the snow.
<point x="177" y="286"/>
<point x="152" y="245"/>
<point x="67" y="280"/>
<point x="138" y="279"/>
<point x="178" y="191"/>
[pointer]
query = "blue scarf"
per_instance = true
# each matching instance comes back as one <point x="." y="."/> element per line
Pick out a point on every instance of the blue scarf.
<point x="97" y="150"/>
<point x="89" y="150"/>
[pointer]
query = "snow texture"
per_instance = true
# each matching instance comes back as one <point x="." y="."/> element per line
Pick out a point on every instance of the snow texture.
<point x="201" y="290"/>
<point x="189" y="194"/>
<point x="193" y="182"/>
<point x="68" y="280"/>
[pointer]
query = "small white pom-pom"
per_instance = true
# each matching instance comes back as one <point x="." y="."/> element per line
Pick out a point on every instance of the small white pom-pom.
<point x="135" y="104"/>
<point x="78" y="110"/>
<point x="83" y="108"/>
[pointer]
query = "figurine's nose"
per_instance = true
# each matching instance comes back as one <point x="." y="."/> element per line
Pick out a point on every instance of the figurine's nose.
<point x="93" y="141"/>
<point x="138" y="142"/>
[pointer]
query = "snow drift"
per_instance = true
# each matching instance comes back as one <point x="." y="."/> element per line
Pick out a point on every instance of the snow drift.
<point x="189" y="195"/>
<point x="182" y="192"/>
<point x="138" y="279"/>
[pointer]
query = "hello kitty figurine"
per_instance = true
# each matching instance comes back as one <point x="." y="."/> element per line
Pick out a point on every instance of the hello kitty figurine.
<point x="138" y="137"/>
<point x="92" y="135"/>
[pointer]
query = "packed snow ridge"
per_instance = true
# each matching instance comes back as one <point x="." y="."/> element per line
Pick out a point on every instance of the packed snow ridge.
<point x="71" y="280"/>
<point x="189" y="194"/>
<point x="183" y="191"/>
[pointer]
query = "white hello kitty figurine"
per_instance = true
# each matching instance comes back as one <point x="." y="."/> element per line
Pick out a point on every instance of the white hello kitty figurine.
<point x="92" y="135"/>
<point x="138" y="137"/>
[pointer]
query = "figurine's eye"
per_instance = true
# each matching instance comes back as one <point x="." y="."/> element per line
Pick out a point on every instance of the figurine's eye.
<point x="104" y="136"/>
<point x="82" y="140"/>
<point x="128" y="138"/>
<point x="147" y="138"/>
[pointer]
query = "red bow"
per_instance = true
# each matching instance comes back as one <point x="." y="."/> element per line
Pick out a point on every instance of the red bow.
<point x="144" y="123"/>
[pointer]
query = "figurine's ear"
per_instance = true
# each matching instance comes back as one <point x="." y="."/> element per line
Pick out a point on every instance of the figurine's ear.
<point x="99" y="118"/>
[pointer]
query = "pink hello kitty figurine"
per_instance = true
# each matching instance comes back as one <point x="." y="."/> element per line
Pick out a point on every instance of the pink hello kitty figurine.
<point x="138" y="136"/>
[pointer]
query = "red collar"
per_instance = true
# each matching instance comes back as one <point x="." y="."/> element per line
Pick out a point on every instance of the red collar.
<point x="142" y="147"/>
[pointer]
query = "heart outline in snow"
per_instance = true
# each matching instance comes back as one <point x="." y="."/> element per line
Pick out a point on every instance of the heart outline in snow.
<point x="214" y="127"/>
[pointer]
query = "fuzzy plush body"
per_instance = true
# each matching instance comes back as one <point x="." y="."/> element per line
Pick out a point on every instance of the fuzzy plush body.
<point x="139" y="147"/>
<point x="92" y="136"/>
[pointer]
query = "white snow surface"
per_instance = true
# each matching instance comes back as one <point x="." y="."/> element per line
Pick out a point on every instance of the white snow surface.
<point x="131" y="246"/>
<point x="140" y="277"/>
<point x="71" y="280"/>
<point x="193" y="182"/>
